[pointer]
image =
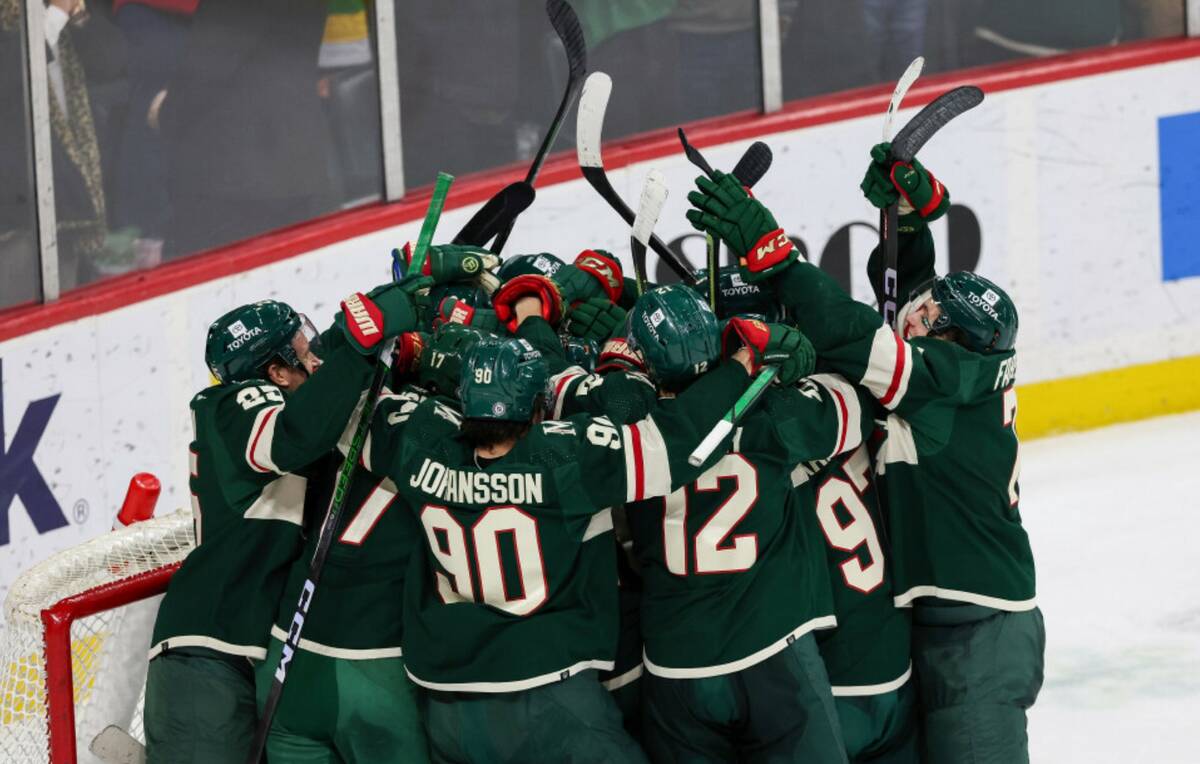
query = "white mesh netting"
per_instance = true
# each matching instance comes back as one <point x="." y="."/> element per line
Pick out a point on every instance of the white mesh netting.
<point x="107" y="650"/>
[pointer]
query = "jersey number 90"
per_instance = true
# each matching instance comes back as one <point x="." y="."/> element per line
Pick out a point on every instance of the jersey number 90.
<point x="461" y="553"/>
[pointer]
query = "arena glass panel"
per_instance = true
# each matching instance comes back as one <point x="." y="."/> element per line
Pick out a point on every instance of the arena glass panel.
<point x="179" y="126"/>
<point x="480" y="80"/>
<point x="19" y="262"/>
<point x="833" y="45"/>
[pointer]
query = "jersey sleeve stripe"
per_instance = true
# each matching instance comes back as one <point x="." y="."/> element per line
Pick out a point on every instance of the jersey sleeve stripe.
<point x="560" y="382"/>
<point x="848" y="409"/>
<point x="888" y="367"/>
<point x="634" y="469"/>
<point x="601" y="522"/>
<point x="258" y="450"/>
<point x="655" y="465"/>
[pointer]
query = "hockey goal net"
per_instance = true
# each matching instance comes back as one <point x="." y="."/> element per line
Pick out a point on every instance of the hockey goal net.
<point x="77" y="633"/>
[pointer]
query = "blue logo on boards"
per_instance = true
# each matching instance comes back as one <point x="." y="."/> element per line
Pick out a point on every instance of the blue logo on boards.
<point x="1179" y="194"/>
<point x="19" y="476"/>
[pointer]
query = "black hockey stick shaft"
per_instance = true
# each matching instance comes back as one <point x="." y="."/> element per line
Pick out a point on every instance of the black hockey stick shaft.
<point x="499" y="211"/>
<point x="566" y="26"/>
<point x="911" y="138"/>
<point x="341" y="488"/>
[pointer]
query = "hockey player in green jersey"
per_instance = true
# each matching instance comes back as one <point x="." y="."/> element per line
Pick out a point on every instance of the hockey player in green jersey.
<point x="348" y="696"/>
<point x="280" y="406"/>
<point x="867" y="655"/>
<point x="732" y="591"/>
<point x="515" y="607"/>
<point x="945" y="377"/>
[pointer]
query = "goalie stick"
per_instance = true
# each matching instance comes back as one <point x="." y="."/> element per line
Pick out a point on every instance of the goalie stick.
<point x="749" y="170"/>
<point x="889" y="217"/>
<point x="341" y="487"/>
<point x="911" y="138"/>
<point x="654" y="195"/>
<point x="588" y="131"/>
<point x="566" y="26"/>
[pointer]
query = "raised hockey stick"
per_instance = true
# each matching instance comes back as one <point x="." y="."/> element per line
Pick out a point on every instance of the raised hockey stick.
<point x="654" y="195"/>
<point x="749" y="170"/>
<point x="588" y="131"/>
<point x="499" y="211"/>
<point x="724" y="427"/>
<point x="566" y="26"/>
<point x="341" y="487"/>
<point x="889" y="217"/>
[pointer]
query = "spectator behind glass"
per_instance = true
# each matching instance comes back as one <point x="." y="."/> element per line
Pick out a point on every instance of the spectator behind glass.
<point x="155" y="31"/>
<point x="895" y="35"/>
<point x="78" y="185"/>
<point x="242" y="125"/>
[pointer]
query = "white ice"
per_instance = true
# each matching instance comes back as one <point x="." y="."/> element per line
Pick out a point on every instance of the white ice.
<point x="1114" y="518"/>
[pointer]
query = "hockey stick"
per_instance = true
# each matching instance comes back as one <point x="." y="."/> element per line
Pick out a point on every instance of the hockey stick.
<point x="654" y="195"/>
<point x="338" y="501"/>
<point x="500" y="210"/>
<point x="749" y="170"/>
<point x="724" y="427"/>
<point x="889" y="217"/>
<point x="588" y="131"/>
<point x="566" y="26"/>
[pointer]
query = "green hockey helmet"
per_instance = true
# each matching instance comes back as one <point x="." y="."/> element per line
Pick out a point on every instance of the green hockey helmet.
<point x="244" y="340"/>
<point x="580" y="351"/>
<point x="441" y="362"/>
<point x="676" y="333"/>
<point x="502" y="380"/>
<point x="739" y="297"/>
<point x="542" y="264"/>
<point x="982" y="311"/>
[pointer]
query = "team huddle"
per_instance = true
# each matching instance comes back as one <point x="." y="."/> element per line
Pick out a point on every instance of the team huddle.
<point x="529" y="568"/>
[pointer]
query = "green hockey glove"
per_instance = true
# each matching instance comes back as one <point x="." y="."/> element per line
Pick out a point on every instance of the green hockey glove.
<point x="595" y="319"/>
<point x="454" y="310"/>
<point x="771" y="344"/>
<point x="451" y="263"/>
<point x="595" y="274"/>
<point x="725" y="209"/>
<point x="921" y="196"/>
<point x="384" y="312"/>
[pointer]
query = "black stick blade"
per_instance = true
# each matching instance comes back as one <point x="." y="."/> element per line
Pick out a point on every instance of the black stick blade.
<point x="754" y="164"/>
<point x="488" y="220"/>
<point x="694" y="156"/>
<point x="932" y="118"/>
<point x="566" y="26"/>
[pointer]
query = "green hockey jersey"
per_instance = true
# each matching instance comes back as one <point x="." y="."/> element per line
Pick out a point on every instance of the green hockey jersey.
<point x="518" y="588"/>
<point x="733" y="570"/>
<point x="950" y="458"/>
<point x="868" y="652"/>
<point x="357" y="610"/>
<point x="253" y="455"/>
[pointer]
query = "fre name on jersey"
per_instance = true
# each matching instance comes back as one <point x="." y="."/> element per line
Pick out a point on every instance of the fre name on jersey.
<point x="471" y="487"/>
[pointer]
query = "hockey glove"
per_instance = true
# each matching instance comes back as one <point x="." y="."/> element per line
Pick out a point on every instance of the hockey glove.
<point x="771" y="344"/>
<point x="921" y="196"/>
<point x="452" y="263"/>
<point x="384" y="312"/>
<point x="505" y="299"/>
<point x="595" y="274"/>
<point x="595" y="319"/>
<point x="616" y="355"/>
<point x="454" y="310"/>
<point x="725" y="209"/>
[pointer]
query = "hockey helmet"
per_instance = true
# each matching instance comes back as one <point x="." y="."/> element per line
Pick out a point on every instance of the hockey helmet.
<point x="580" y="351"/>
<point x="739" y="297"/>
<point x="441" y="362"/>
<point x="244" y="340"/>
<point x="676" y="333"/>
<point x="501" y="380"/>
<point x="542" y="264"/>
<point x="977" y="307"/>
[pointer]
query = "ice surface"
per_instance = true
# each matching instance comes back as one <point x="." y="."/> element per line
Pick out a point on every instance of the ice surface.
<point x="1114" y="519"/>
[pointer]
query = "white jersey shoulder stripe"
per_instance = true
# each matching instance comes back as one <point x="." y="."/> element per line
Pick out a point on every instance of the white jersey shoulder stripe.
<point x="559" y="383"/>
<point x="888" y="367"/>
<point x="849" y="411"/>
<point x="655" y="463"/>
<point x="262" y="436"/>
